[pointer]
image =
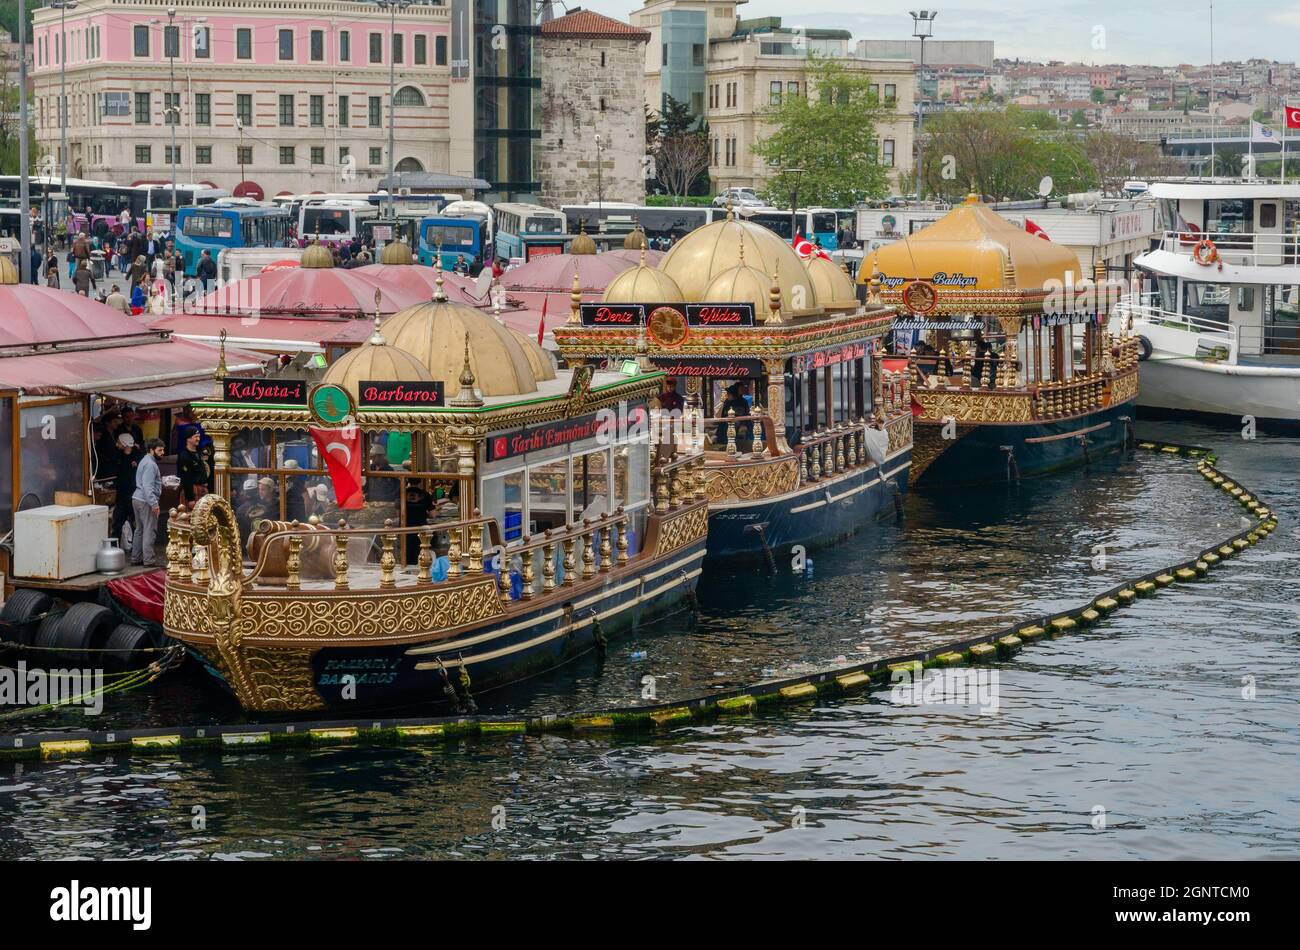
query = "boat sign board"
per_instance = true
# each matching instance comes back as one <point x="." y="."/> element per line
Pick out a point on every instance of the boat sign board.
<point x="695" y="314"/>
<point x="271" y="392"/>
<point x="388" y="394"/>
<point x="709" y="368"/>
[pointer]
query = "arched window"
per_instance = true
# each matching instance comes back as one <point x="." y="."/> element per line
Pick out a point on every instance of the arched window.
<point x="409" y="165"/>
<point x="409" y="96"/>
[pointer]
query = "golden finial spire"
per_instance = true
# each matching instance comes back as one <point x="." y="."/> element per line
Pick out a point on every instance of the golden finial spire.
<point x="742" y="246"/>
<point x="495" y="293"/>
<point x="575" y="299"/>
<point x="468" y="395"/>
<point x="774" y="296"/>
<point x="438" y="293"/>
<point x="221" y="355"/>
<point x="731" y="216"/>
<point x="642" y="264"/>
<point x="377" y="338"/>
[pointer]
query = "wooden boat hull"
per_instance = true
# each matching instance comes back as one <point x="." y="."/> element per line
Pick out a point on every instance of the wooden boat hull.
<point x="977" y="454"/>
<point x="816" y="514"/>
<point x="527" y="645"/>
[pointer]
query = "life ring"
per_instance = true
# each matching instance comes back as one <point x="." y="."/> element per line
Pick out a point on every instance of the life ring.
<point x="1205" y="253"/>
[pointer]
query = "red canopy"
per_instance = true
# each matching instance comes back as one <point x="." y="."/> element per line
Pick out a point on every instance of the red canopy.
<point x="554" y="272"/>
<point x="306" y="291"/>
<point x="421" y="280"/>
<point x="35" y="314"/>
<point x="249" y="189"/>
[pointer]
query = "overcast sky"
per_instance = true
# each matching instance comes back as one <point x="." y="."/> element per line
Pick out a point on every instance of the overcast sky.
<point x="1159" y="32"/>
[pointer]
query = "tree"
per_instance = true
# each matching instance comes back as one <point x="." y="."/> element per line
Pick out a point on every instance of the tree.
<point x="1098" y="95"/>
<point x="1227" y="163"/>
<point x="1078" y="119"/>
<point x="10" y="140"/>
<point x="829" y="133"/>
<point x="680" y="159"/>
<point x="1261" y="115"/>
<point x="997" y="154"/>
<point x="1118" y="158"/>
<point x="676" y="117"/>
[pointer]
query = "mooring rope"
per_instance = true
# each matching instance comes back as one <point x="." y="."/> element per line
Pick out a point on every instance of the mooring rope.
<point x="118" y="683"/>
<point x="843" y="680"/>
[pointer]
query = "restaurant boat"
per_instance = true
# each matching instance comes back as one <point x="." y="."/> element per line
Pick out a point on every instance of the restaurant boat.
<point x="1218" y="314"/>
<point x="511" y="518"/>
<point x="1013" y="370"/>
<point x="774" y="371"/>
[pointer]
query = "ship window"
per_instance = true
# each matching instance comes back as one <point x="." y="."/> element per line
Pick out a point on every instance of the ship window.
<point x="1205" y="301"/>
<point x="1267" y="216"/>
<point x="548" y="494"/>
<point x="1231" y="216"/>
<point x="52" y="450"/>
<point x="503" y="499"/>
<point x="591" y="485"/>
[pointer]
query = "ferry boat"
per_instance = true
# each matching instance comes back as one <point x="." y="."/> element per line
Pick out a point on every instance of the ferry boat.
<point x="775" y="373"/>
<point x="1218" y="310"/>
<point x="1013" y="370"/>
<point x="511" y="518"/>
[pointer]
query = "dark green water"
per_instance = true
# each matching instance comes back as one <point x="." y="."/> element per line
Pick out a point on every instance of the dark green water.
<point x="1143" y="716"/>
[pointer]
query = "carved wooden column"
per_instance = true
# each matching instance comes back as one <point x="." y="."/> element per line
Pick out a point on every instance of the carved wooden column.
<point x="775" y="369"/>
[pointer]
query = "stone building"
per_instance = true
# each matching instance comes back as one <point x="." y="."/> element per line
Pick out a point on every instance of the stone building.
<point x="592" y="84"/>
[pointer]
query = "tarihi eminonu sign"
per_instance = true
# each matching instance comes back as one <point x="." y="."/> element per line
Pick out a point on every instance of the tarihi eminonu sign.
<point x="400" y="393"/>
<point x="276" y="392"/>
<point x="695" y="314"/>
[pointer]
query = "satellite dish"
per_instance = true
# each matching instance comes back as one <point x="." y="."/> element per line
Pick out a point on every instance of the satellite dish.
<point x="1045" y="186"/>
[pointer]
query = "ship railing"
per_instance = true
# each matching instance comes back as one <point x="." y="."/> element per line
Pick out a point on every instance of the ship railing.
<point x="831" y="451"/>
<point x="750" y="436"/>
<point x="1237" y="247"/>
<point x="1071" y="397"/>
<point x="960" y="369"/>
<point x="1215" y="337"/>
<point x="366" y="558"/>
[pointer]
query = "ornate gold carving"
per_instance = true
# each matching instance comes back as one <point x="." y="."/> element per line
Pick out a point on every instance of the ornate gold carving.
<point x="1123" y="388"/>
<point x="282" y="680"/>
<point x="974" y="406"/>
<point x="683" y="529"/>
<point x="900" y="433"/>
<point x="751" y="482"/>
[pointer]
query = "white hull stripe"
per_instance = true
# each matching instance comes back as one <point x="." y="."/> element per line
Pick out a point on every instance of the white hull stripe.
<point x="852" y="491"/>
<point x="566" y="630"/>
<point x="460" y="644"/>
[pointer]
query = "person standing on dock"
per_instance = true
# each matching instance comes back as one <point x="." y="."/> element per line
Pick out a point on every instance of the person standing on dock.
<point x="145" y="500"/>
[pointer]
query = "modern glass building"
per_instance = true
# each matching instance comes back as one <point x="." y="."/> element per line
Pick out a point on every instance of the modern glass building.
<point x="504" y="126"/>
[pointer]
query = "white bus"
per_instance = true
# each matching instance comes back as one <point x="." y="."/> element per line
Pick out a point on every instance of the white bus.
<point x="514" y="222"/>
<point x="332" y="220"/>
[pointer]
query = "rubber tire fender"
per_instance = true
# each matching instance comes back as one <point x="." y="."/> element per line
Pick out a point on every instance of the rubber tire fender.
<point x="20" y="609"/>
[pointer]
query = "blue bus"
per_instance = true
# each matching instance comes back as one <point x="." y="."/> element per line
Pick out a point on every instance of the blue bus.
<point x="217" y="226"/>
<point x="819" y="223"/>
<point x="456" y="235"/>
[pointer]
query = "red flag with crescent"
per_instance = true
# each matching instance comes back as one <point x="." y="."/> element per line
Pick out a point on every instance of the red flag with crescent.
<point x="341" y="449"/>
<point x="1292" y="116"/>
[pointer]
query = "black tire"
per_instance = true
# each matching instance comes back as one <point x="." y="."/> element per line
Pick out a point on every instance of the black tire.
<point x="47" y="636"/>
<point x="86" y="627"/>
<point x="1144" y="348"/>
<point x="19" y="611"/>
<point x="130" y="641"/>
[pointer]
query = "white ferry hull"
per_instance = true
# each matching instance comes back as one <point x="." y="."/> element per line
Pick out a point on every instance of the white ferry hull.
<point x="1269" y="393"/>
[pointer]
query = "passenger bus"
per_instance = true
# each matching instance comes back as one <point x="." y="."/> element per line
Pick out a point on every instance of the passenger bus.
<point x="453" y="235"/>
<point x="407" y="226"/>
<point x="86" y="205"/>
<point x="332" y="221"/>
<point x="662" y="226"/>
<point x="160" y="196"/>
<point x="218" y="226"/>
<point x="514" y="222"/>
<point x="819" y="223"/>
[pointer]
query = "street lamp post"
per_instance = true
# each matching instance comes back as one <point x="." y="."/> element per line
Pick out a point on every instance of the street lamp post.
<point x="922" y="29"/>
<point x="392" y="6"/>
<point x="794" y="201"/>
<point x="171" y="113"/>
<point x="63" y="6"/>
<point x="24" y="195"/>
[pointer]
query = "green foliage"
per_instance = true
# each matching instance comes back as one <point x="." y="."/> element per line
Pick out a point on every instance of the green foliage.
<point x="829" y="133"/>
<point x="1227" y="163"/>
<point x="1038" y="119"/>
<point x="1098" y="94"/>
<point x="676" y="118"/>
<point x="999" y="154"/>
<point x="673" y="201"/>
<point x="1261" y="115"/>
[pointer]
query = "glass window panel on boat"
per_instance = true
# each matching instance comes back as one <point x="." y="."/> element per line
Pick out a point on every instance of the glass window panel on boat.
<point x="52" y="447"/>
<point x="1281" y="319"/>
<point x="1229" y="216"/>
<point x="1206" y="301"/>
<point x="279" y="474"/>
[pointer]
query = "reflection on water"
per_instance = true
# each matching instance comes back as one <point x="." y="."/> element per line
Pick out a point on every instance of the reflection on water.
<point x="1143" y="717"/>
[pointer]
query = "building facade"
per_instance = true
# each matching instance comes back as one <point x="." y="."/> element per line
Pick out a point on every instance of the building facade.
<point x="592" y="86"/>
<point x="732" y="71"/>
<point x="290" y="95"/>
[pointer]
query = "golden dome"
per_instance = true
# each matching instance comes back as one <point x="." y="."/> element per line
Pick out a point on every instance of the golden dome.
<point x="582" y="244"/>
<point x="316" y="255"/>
<point x="374" y="360"/>
<point x="434" y="333"/>
<point x="643" y="284"/>
<point x="395" y="252"/>
<point x="8" y="272"/>
<point x="708" y="251"/>
<point x="541" y="362"/>
<point x="834" y="288"/>
<point x="635" y="240"/>
<point x="741" y="284"/>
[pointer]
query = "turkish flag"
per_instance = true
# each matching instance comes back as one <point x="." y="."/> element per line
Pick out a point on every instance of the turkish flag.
<point x="1035" y="230"/>
<point x="341" y="449"/>
<point x="1292" y="116"/>
<point x="541" y="321"/>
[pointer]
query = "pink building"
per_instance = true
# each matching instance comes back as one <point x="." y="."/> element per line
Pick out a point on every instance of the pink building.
<point x="292" y="95"/>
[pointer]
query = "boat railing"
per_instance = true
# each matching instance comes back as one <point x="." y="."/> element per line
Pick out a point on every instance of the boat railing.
<point x="471" y="553"/>
<point x="728" y="434"/>
<point x="1236" y="247"/>
<point x="677" y="481"/>
<point x="830" y="451"/>
<point x="1220" y="335"/>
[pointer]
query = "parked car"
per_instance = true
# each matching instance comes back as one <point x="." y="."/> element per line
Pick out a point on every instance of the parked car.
<point x="739" y="197"/>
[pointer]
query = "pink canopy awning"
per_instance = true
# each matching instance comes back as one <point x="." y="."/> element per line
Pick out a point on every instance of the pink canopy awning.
<point x="30" y="314"/>
<point x="554" y="272"/>
<point x="305" y="290"/>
